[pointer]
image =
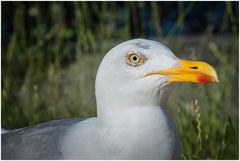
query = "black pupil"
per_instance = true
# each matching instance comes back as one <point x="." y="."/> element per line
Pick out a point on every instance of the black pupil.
<point x="134" y="58"/>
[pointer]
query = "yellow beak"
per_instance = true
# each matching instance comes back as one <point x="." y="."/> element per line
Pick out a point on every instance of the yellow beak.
<point x="190" y="71"/>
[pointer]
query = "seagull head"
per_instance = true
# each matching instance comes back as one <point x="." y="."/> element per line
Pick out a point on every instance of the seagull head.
<point x="138" y="73"/>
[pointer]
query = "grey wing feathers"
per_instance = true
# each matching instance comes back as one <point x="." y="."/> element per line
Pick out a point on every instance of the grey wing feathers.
<point x="38" y="142"/>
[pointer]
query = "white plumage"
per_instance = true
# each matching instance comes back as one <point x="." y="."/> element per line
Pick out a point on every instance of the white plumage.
<point x="130" y="123"/>
<point x="131" y="120"/>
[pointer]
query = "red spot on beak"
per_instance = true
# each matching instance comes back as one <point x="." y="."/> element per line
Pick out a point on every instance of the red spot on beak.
<point x="204" y="79"/>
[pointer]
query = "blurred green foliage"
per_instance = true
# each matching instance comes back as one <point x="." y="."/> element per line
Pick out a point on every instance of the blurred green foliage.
<point x="50" y="58"/>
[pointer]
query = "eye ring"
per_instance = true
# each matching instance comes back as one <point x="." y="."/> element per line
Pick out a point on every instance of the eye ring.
<point x="134" y="59"/>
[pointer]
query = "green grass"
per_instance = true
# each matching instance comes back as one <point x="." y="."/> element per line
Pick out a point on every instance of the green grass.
<point x="44" y="79"/>
<point x="209" y="129"/>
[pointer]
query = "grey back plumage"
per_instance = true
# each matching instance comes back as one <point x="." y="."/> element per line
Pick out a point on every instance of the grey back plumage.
<point x="37" y="142"/>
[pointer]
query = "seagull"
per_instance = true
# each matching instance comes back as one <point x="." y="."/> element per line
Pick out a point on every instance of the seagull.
<point x="131" y="88"/>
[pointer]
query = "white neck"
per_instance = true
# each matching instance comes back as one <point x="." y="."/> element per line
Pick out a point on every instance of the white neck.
<point x="145" y="128"/>
<point x="128" y="133"/>
<point x="131" y="115"/>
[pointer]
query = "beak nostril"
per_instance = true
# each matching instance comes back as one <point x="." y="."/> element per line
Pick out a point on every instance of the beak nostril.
<point x="193" y="67"/>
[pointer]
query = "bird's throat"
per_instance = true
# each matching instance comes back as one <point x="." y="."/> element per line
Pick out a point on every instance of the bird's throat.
<point x="142" y="128"/>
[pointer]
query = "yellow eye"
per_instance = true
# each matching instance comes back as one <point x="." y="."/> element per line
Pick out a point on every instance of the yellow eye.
<point x="134" y="59"/>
